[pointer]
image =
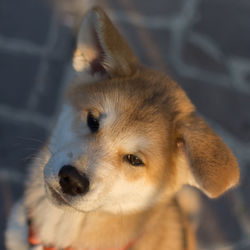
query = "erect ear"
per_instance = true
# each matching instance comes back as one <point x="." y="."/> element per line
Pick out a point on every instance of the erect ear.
<point x="101" y="49"/>
<point x="211" y="165"/>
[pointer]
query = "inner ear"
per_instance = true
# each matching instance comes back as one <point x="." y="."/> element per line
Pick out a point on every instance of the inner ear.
<point x="89" y="53"/>
<point x="101" y="49"/>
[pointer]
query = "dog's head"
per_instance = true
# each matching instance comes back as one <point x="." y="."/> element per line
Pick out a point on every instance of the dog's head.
<point x="127" y="136"/>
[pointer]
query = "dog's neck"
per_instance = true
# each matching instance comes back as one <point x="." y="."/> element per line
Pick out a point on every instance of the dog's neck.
<point x="97" y="229"/>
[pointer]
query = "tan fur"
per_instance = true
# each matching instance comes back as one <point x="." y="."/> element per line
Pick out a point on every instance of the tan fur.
<point x="141" y="112"/>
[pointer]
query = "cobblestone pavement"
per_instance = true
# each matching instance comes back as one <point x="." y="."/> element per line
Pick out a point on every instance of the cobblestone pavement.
<point x="203" y="44"/>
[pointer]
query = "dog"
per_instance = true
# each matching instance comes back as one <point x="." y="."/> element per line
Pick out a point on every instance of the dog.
<point x="126" y="140"/>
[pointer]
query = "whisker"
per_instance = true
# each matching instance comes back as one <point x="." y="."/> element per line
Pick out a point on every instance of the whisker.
<point x="30" y="139"/>
<point x="42" y="143"/>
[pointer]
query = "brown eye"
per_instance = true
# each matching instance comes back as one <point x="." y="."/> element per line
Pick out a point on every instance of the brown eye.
<point x="93" y="123"/>
<point x="133" y="160"/>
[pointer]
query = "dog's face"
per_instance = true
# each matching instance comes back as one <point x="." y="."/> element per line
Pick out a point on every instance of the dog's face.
<point x="128" y="137"/>
<point x="119" y="139"/>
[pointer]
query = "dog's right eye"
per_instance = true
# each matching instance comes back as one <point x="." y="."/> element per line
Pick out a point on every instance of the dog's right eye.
<point x="93" y="123"/>
<point x="133" y="160"/>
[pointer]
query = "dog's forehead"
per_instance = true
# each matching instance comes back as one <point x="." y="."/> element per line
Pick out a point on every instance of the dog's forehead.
<point x="144" y="103"/>
<point x="144" y="95"/>
<point x="119" y="94"/>
<point x="129" y="102"/>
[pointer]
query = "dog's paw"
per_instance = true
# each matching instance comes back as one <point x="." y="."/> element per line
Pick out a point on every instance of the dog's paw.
<point x="16" y="236"/>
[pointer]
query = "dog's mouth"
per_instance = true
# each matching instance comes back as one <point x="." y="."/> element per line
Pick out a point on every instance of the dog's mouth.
<point x="57" y="196"/>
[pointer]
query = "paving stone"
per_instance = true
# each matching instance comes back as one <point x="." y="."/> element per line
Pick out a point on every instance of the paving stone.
<point x="162" y="7"/>
<point x="53" y="78"/>
<point x="18" y="73"/>
<point x="64" y="44"/>
<point x="248" y="79"/>
<point x="114" y="4"/>
<point x="19" y="143"/>
<point x="133" y="38"/>
<point x="9" y="194"/>
<point x="52" y="82"/>
<point x="218" y="222"/>
<point x="224" y="105"/>
<point x="26" y="19"/>
<point x="195" y="56"/>
<point x="228" y="23"/>
<point x="245" y="187"/>
<point x="150" y="46"/>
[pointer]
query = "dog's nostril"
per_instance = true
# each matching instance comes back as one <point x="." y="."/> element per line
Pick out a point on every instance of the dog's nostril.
<point x="65" y="178"/>
<point x="73" y="182"/>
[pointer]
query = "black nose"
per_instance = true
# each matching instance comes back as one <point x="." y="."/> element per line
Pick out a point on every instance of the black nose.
<point x="72" y="182"/>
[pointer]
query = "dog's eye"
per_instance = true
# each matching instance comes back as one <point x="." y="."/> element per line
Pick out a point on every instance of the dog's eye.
<point x="133" y="160"/>
<point x="92" y="122"/>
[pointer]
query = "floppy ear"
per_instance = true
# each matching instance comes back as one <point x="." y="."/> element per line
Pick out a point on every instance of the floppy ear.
<point x="211" y="165"/>
<point x="101" y="49"/>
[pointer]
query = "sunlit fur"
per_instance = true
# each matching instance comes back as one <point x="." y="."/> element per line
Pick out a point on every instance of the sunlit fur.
<point x="141" y="112"/>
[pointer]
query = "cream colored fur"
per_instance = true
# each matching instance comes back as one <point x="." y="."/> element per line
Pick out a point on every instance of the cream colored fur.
<point x="140" y="112"/>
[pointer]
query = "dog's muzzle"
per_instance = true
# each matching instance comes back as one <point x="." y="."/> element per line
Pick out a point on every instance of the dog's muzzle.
<point x="73" y="182"/>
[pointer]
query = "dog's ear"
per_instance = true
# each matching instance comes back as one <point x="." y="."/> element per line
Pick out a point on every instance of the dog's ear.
<point x="100" y="48"/>
<point x="209" y="164"/>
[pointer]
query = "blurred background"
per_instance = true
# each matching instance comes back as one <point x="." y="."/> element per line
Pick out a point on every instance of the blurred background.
<point x="203" y="44"/>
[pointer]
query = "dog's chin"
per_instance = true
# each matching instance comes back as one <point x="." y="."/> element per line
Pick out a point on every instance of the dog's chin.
<point x="56" y="198"/>
<point x="60" y="201"/>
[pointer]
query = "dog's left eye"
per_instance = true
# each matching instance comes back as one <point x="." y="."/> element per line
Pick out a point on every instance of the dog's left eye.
<point x="133" y="160"/>
<point x="93" y="123"/>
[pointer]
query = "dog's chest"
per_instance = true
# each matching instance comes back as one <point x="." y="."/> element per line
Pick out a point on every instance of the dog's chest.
<point x="55" y="226"/>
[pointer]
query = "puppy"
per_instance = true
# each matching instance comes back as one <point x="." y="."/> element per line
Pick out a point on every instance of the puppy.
<point x="126" y="140"/>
